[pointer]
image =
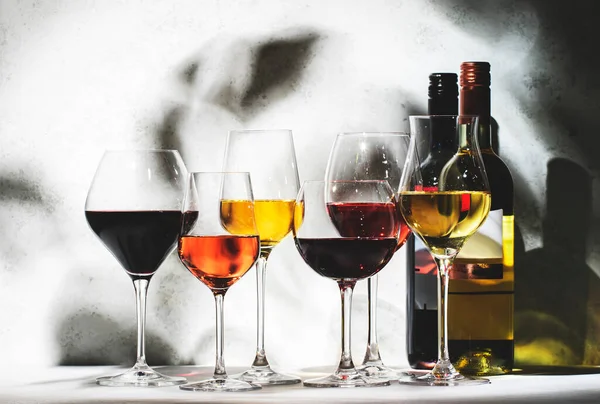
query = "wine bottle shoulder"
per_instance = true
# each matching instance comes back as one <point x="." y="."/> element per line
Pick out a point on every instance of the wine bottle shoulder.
<point x="501" y="182"/>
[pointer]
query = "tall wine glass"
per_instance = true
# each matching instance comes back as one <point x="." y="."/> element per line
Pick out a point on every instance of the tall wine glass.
<point x="444" y="199"/>
<point x="218" y="244"/>
<point x="270" y="158"/>
<point x="321" y="216"/>
<point x="134" y="207"/>
<point x="370" y="156"/>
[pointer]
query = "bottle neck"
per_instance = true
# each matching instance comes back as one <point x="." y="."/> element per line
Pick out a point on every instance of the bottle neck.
<point x="443" y="106"/>
<point x="443" y="100"/>
<point x="475" y="100"/>
<point x="484" y="139"/>
<point x="465" y="132"/>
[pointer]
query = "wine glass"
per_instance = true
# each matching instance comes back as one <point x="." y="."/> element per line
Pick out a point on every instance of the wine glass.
<point x="444" y="198"/>
<point x="370" y="156"/>
<point x="270" y="158"/>
<point x="321" y="216"/>
<point x="218" y="244"/>
<point x="134" y="207"/>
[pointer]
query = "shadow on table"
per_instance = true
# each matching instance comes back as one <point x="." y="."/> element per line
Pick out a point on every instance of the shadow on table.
<point x="190" y="372"/>
<point x="198" y="373"/>
<point x="556" y="370"/>
<point x="89" y="380"/>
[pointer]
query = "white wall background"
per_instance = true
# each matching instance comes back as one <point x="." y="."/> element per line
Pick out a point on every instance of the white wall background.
<point x="79" y="77"/>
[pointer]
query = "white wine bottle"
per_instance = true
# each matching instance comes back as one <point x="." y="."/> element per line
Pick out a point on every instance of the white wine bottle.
<point x="481" y="286"/>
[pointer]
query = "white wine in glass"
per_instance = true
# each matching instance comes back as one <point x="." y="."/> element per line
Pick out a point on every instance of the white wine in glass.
<point x="444" y="199"/>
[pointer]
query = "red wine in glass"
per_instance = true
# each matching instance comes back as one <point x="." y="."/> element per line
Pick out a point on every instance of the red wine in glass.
<point x="346" y="241"/>
<point x="370" y="156"/>
<point x="368" y="219"/>
<point x="133" y="205"/>
<point x="139" y="240"/>
<point x="346" y="258"/>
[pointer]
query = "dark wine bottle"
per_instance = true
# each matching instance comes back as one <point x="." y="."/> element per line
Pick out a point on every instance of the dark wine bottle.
<point x="481" y="286"/>
<point x="421" y="312"/>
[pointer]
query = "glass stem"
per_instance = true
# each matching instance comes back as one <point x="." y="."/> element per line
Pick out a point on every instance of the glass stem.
<point x="220" y="372"/>
<point x="141" y="291"/>
<point x="260" y="360"/>
<point x="372" y="356"/>
<point x="443" y="369"/>
<point x="346" y="365"/>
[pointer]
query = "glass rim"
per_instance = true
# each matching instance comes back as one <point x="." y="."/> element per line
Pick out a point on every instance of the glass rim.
<point x="151" y="150"/>
<point x="375" y="133"/>
<point x="425" y="116"/>
<point x="218" y="172"/>
<point x="345" y="181"/>
<point x="259" y="130"/>
<point x="197" y="174"/>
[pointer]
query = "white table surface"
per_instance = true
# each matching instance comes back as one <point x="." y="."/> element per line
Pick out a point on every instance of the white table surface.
<point x="70" y="385"/>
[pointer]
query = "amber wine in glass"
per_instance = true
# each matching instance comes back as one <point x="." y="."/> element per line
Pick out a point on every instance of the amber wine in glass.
<point x="269" y="157"/>
<point x="218" y="245"/>
<point x="273" y="218"/>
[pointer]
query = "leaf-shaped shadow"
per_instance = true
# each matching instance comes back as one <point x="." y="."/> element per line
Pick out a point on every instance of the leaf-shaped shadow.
<point x="239" y="77"/>
<point x="20" y="189"/>
<point x="277" y="69"/>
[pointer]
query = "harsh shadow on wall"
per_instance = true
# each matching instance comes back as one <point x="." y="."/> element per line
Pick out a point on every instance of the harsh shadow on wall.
<point x="91" y="338"/>
<point x="241" y="77"/>
<point x="567" y="46"/>
<point x="21" y="189"/>
<point x="552" y="282"/>
<point x="18" y="190"/>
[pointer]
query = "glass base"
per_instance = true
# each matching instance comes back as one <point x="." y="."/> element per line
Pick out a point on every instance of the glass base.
<point x="429" y="379"/>
<point x="220" y="385"/>
<point x="266" y="376"/>
<point x="140" y="376"/>
<point x="377" y="371"/>
<point x="349" y="379"/>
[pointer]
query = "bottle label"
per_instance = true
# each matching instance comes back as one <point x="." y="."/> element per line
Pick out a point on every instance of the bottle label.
<point x="480" y="258"/>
